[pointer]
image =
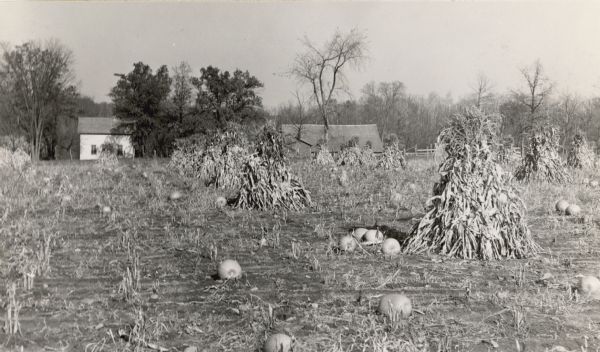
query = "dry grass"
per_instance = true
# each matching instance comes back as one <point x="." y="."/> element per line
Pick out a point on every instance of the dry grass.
<point x="293" y="280"/>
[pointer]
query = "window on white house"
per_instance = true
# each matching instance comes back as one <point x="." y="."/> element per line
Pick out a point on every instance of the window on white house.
<point x="119" y="150"/>
<point x="94" y="149"/>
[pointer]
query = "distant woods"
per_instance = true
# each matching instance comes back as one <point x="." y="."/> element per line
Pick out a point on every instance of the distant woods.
<point x="416" y="120"/>
<point x="322" y="97"/>
<point x="40" y="101"/>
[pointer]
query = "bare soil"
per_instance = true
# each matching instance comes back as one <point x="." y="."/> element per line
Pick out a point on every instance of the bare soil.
<point x="294" y="280"/>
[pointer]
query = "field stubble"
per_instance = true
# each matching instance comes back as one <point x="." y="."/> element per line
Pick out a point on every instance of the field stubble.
<point x="142" y="276"/>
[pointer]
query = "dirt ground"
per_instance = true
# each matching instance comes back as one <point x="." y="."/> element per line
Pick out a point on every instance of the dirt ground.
<point x="143" y="276"/>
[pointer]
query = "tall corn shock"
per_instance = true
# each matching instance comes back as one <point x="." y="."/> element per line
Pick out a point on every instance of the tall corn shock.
<point x="357" y="156"/>
<point x="474" y="211"/>
<point x="266" y="182"/>
<point x="324" y="157"/>
<point x="217" y="161"/>
<point x="392" y="158"/>
<point x="542" y="161"/>
<point x="580" y="156"/>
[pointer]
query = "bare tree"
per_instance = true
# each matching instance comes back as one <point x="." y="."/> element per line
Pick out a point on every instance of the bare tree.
<point x="538" y="89"/>
<point x="482" y="90"/>
<point x="37" y="77"/>
<point x="569" y="108"/>
<point x="300" y="117"/>
<point x="384" y="103"/>
<point x="323" y="69"/>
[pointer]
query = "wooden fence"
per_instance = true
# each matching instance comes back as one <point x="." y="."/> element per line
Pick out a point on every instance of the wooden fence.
<point x="430" y="151"/>
<point x="416" y="152"/>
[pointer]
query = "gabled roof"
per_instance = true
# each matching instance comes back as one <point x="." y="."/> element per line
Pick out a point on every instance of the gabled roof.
<point x="100" y="125"/>
<point x="339" y="135"/>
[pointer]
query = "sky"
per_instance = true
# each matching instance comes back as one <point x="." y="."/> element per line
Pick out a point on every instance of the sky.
<point x="429" y="46"/>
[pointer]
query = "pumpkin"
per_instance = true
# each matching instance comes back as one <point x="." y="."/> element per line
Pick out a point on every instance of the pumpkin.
<point x="229" y="269"/>
<point x="589" y="285"/>
<point x="220" y="202"/>
<point x="347" y="243"/>
<point x="395" y="306"/>
<point x="374" y="236"/>
<point x="106" y="209"/>
<point x="573" y="210"/>
<point x="175" y="195"/>
<point x="594" y="183"/>
<point x="391" y="246"/>
<point x="278" y="343"/>
<point x="358" y="233"/>
<point x="561" y="205"/>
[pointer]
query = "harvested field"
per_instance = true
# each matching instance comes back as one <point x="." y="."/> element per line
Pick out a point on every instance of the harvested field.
<point x="143" y="276"/>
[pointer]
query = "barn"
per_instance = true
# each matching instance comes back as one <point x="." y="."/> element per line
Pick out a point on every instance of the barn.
<point x="96" y="132"/>
<point x="304" y="139"/>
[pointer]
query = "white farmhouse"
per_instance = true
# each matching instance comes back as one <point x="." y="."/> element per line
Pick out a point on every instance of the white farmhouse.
<point x="94" y="132"/>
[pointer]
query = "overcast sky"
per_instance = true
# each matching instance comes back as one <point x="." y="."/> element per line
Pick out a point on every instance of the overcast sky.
<point x="429" y="46"/>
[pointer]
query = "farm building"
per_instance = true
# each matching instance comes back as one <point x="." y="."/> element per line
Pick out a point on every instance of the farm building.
<point x="303" y="139"/>
<point x="96" y="132"/>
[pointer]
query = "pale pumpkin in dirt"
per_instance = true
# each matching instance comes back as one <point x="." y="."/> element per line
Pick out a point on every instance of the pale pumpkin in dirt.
<point x="395" y="306"/>
<point x="359" y="233"/>
<point x="229" y="269"/>
<point x="391" y="246"/>
<point x="347" y="243"/>
<point x="573" y="210"/>
<point x="221" y="202"/>
<point x="175" y="195"/>
<point x="278" y="343"/>
<point x="561" y="205"/>
<point x="373" y="236"/>
<point x="589" y="286"/>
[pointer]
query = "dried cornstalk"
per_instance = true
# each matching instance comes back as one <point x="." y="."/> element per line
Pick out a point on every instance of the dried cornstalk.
<point x="474" y="212"/>
<point x="542" y="161"/>
<point x="12" y="326"/>
<point x="392" y="158"/>
<point x="580" y="156"/>
<point x="266" y="182"/>
<point x="217" y="161"/>
<point x="356" y="156"/>
<point x="324" y="157"/>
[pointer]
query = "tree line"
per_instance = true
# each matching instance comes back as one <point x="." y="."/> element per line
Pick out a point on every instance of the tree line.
<point x="40" y="102"/>
<point x="416" y="120"/>
<point x="163" y="107"/>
